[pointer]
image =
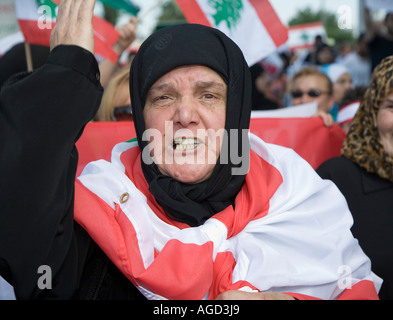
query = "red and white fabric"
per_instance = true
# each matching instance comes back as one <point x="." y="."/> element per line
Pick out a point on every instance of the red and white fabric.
<point x="37" y="28"/>
<point x="290" y="232"/>
<point x="346" y="113"/>
<point x="258" y="31"/>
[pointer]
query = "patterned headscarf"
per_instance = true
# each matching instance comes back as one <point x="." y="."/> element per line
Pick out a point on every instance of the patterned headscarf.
<point x="363" y="144"/>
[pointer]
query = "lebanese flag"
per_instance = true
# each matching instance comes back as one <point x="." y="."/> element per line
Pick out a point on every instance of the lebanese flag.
<point x="252" y="24"/>
<point x="38" y="17"/>
<point x="277" y="238"/>
<point x="302" y="36"/>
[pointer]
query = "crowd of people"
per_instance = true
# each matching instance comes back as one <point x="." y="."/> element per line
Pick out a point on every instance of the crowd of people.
<point x="142" y="226"/>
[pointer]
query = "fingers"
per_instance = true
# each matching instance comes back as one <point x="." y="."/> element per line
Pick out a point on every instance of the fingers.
<point x="74" y="24"/>
<point x="127" y="34"/>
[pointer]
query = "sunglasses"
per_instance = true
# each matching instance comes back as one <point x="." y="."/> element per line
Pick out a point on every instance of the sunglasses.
<point x="312" y="93"/>
<point x="123" y="113"/>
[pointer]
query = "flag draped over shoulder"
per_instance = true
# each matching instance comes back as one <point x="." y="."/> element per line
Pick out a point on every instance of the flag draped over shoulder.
<point x="252" y="24"/>
<point x="38" y="17"/>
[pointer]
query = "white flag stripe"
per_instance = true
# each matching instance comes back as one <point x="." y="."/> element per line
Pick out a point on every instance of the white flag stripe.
<point x="249" y="34"/>
<point x="243" y="22"/>
<point x="9" y="41"/>
<point x="26" y="10"/>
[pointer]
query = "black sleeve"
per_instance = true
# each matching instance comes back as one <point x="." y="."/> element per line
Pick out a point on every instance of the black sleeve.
<point x="42" y="115"/>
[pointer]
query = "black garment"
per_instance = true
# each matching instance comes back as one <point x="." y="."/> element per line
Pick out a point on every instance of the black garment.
<point x="41" y="116"/>
<point x="14" y="60"/>
<point x="370" y="199"/>
<point x="191" y="44"/>
<point x="379" y="48"/>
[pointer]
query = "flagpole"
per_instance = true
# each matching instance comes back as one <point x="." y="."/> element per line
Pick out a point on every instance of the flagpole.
<point x="154" y="6"/>
<point x="29" y="60"/>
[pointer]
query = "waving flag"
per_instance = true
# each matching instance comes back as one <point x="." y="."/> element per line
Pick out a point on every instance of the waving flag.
<point x="38" y="17"/>
<point x="252" y="24"/>
<point x="302" y="36"/>
<point x="9" y="41"/>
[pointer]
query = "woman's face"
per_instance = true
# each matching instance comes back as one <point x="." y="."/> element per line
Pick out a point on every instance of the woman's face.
<point x="341" y="86"/>
<point x="184" y="119"/>
<point x="312" y="83"/>
<point x="385" y="124"/>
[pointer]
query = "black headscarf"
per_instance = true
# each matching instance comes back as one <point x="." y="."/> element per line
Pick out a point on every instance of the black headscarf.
<point x="191" y="44"/>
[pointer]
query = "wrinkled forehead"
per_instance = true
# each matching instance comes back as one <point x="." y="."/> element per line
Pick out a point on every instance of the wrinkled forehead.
<point x="177" y="46"/>
<point x="198" y="75"/>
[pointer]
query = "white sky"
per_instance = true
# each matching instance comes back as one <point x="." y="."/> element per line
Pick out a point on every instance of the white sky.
<point x="286" y="9"/>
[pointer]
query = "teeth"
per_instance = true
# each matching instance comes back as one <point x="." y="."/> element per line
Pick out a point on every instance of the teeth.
<point x="185" y="143"/>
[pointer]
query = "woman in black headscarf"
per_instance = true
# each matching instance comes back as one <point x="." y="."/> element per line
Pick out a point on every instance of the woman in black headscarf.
<point x="246" y="188"/>
<point x="261" y="221"/>
<point x="162" y="52"/>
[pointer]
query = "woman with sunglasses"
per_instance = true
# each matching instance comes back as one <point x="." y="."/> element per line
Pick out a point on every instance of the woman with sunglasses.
<point x="311" y="85"/>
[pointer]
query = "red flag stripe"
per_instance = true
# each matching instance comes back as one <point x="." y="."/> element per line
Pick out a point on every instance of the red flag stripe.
<point x="34" y="35"/>
<point x="193" y="12"/>
<point x="268" y="16"/>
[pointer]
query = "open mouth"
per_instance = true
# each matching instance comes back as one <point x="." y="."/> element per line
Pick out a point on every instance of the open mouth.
<point x="183" y="143"/>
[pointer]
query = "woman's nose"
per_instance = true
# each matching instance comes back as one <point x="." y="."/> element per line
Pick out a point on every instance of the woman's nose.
<point x="186" y="112"/>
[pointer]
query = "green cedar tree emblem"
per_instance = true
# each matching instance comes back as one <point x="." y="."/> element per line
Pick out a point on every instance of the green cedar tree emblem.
<point x="228" y="11"/>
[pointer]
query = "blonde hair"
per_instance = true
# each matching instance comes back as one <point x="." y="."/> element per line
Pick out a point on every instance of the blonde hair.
<point x="116" y="94"/>
<point x="311" y="71"/>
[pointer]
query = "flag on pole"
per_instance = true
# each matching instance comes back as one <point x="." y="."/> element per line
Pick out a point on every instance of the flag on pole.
<point x="37" y="19"/>
<point x="125" y="5"/>
<point x="252" y="24"/>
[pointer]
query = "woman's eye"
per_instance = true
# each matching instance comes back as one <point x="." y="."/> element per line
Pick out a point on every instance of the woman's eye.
<point x="208" y="96"/>
<point x="161" y="98"/>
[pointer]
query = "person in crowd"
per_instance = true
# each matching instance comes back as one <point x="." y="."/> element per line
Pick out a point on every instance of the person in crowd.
<point x="341" y="78"/>
<point x="268" y="83"/>
<point x="364" y="173"/>
<point x="116" y="101"/>
<point x="310" y="84"/>
<point x="349" y="106"/>
<point x="259" y="85"/>
<point x="344" y="48"/>
<point x="127" y="35"/>
<point x="379" y="38"/>
<point x="358" y="63"/>
<point x="196" y="207"/>
<point x="324" y="54"/>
